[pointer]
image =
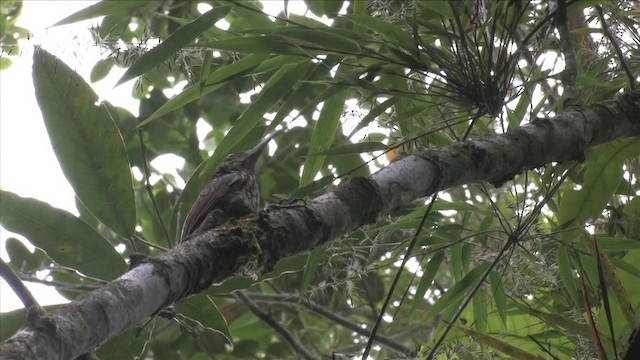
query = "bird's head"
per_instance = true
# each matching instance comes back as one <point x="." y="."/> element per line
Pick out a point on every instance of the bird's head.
<point x="245" y="160"/>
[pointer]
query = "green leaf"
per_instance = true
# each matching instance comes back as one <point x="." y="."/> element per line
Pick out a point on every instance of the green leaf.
<point x="323" y="134"/>
<point x="66" y="239"/>
<point x="323" y="39"/>
<point x="11" y="322"/>
<point x="608" y="243"/>
<point x="386" y="29"/>
<point x="480" y="310"/>
<point x="176" y="41"/>
<point x="459" y="290"/>
<point x="566" y="274"/>
<point x="435" y="9"/>
<point x="127" y="345"/>
<point x="21" y="259"/>
<point x="499" y="296"/>
<point x="86" y="142"/>
<point x="102" y="8"/>
<point x="601" y="179"/>
<point x="203" y="310"/>
<point x="358" y="148"/>
<point x="311" y="187"/>
<point x="101" y="69"/>
<point x="509" y="349"/>
<point x="248" y="65"/>
<point x="5" y="63"/>
<point x="316" y="257"/>
<point x="428" y="275"/>
<point x="268" y="44"/>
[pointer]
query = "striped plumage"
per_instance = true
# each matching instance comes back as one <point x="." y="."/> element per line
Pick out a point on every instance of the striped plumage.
<point x="232" y="193"/>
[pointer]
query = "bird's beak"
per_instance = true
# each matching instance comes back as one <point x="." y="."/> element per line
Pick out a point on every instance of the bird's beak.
<point x="253" y="154"/>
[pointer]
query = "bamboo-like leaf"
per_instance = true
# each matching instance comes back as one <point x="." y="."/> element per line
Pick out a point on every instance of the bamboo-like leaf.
<point x="268" y="44"/>
<point x="326" y="39"/>
<point x="213" y="82"/>
<point x="428" y="275"/>
<point x="311" y="187"/>
<point x="613" y="281"/>
<point x="499" y="296"/>
<point x="391" y="31"/>
<point x="323" y="134"/>
<point x="502" y="346"/>
<point x="102" y="8"/>
<point x="608" y="243"/>
<point x="176" y="41"/>
<point x="316" y="257"/>
<point x="66" y="239"/>
<point x="459" y="290"/>
<point x="86" y="142"/>
<point x="357" y="148"/>
<point x="566" y="274"/>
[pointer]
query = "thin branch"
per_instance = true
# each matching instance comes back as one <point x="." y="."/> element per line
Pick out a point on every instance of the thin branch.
<point x="614" y="43"/>
<point x="18" y="286"/>
<point x="149" y="189"/>
<point x="59" y="285"/>
<point x="406" y="258"/>
<point x="570" y="71"/>
<point x="327" y="314"/>
<point x="267" y="319"/>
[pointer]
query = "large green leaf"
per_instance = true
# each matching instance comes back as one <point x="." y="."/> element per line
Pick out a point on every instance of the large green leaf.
<point x="66" y="239"/>
<point x="87" y="143"/>
<point x="176" y="41"/>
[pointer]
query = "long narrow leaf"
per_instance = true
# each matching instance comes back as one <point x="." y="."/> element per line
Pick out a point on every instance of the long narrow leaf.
<point x="176" y="41"/>
<point x="102" y="8"/>
<point x="323" y="134"/>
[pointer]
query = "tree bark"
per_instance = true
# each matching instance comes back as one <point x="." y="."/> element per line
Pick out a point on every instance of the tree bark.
<point x="252" y="245"/>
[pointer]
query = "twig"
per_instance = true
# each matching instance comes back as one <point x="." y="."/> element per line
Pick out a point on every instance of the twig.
<point x="267" y="319"/>
<point x="18" y="286"/>
<point x="149" y="189"/>
<point x="614" y="43"/>
<point x="330" y="315"/>
<point x="406" y="258"/>
<point x="570" y="71"/>
<point x="60" y="285"/>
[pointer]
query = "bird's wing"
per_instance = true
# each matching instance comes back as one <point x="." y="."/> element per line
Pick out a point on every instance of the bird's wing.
<point x="210" y="197"/>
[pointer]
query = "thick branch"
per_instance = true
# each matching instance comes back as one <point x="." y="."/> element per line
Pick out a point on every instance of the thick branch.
<point x="253" y="245"/>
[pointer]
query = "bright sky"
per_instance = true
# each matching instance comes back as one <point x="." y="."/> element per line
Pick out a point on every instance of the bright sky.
<point x="28" y="166"/>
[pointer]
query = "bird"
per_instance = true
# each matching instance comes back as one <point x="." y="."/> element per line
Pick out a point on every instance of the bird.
<point x="232" y="193"/>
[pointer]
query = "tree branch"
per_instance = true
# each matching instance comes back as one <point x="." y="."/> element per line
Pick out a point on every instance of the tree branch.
<point x="18" y="286"/>
<point x="253" y="245"/>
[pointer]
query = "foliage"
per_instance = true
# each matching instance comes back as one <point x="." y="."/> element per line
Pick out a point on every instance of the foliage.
<point x="545" y="265"/>
<point x="9" y="32"/>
